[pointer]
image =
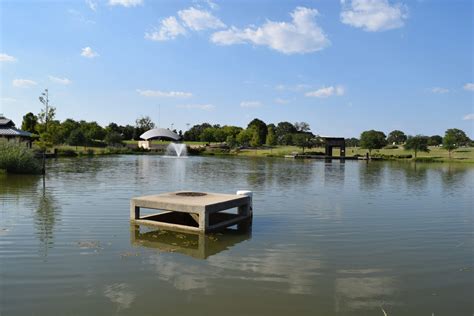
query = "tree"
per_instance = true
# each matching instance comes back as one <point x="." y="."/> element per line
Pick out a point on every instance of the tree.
<point x="435" y="140"/>
<point x="244" y="137"/>
<point x="372" y="140"/>
<point x="67" y="127"/>
<point x="283" y="132"/>
<point x="231" y="141"/>
<point x="271" y="137"/>
<point x="219" y="135"/>
<point x="397" y="137"/>
<point x="77" y="138"/>
<point x="352" y="142"/>
<point x="417" y="143"/>
<point x="460" y="136"/>
<point x="142" y="124"/>
<point x="255" y="140"/>
<point x="29" y="122"/>
<point x="207" y="135"/>
<point x="194" y="133"/>
<point x="304" y="140"/>
<point x="302" y="127"/>
<point x="45" y="136"/>
<point x="92" y="131"/>
<point x="113" y="138"/>
<point x="450" y="142"/>
<point x="261" y="129"/>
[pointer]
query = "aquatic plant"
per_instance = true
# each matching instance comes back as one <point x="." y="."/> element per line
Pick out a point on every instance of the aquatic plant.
<point x="17" y="158"/>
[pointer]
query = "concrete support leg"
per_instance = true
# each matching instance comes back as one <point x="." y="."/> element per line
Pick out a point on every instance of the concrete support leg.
<point x="134" y="211"/>
<point x="244" y="210"/>
<point x="204" y="222"/>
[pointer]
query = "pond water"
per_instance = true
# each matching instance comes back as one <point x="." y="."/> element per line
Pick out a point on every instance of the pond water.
<point x="327" y="239"/>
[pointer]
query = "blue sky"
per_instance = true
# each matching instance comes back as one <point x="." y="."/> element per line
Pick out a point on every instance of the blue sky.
<point x="342" y="66"/>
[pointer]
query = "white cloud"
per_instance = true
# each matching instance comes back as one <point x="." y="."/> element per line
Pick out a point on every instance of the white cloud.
<point x="282" y="101"/>
<point x="23" y="83"/>
<point x="88" y="52"/>
<point x="469" y="86"/>
<point x="92" y="5"/>
<point x="164" y="94"/>
<point x="373" y="15"/>
<point x="204" y="107"/>
<point x="250" y="104"/>
<point x="301" y="35"/>
<point x="325" y="92"/>
<point x="468" y="117"/>
<point x="64" y="81"/>
<point x="198" y="20"/>
<point x="439" y="90"/>
<point x="126" y="3"/>
<point x="170" y="29"/>
<point x="7" y="58"/>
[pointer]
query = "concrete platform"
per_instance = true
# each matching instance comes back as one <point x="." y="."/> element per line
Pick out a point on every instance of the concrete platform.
<point x="195" y="244"/>
<point x="192" y="211"/>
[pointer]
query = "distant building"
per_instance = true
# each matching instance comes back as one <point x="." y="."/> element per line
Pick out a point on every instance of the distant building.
<point x="9" y="133"/>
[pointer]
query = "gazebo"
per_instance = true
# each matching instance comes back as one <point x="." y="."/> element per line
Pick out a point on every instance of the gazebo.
<point x="9" y="133"/>
<point x="157" y="133"/>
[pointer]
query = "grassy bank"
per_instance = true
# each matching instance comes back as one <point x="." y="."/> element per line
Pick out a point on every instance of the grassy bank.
<point x="437" y="154"/>
<point x="16" y="158"/>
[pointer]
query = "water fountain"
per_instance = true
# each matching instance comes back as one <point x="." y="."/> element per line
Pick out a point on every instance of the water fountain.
<point x="176" y="150"/>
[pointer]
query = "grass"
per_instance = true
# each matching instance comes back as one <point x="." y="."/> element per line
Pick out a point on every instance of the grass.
<point x="16" y="158"/>
<point x="435" y="154"/>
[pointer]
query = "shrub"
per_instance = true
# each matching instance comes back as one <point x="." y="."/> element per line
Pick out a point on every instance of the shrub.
<point x="16" y="158"/>
<point x="391" y="147"/>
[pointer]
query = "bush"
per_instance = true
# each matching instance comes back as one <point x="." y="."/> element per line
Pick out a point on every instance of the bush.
<point x="391" y="147"/>
<point x="16" y="158"/>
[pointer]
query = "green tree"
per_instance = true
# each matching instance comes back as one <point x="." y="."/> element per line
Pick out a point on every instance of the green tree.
<point x="417" y="143"/>
<point x="219" y="135"/>
<point x="460" y="136"/>
<point x="261" y="129"/>
<point x="284" y="132"/>
<point x="244" y="137"/>
<point x="372" y="140"/>
<point x="77" y="138"/>
<point x="46" y="137"/>
<point x="450" y="142"/>
<point x="67" y="126"/>
<point x="271" y="137"/>
<point x="142" y="124"/>
<point x="255" y="140"/>
<point x="352" y="142"/>
<point x="397" y="137"/>
<point x="29" y="122"/>
<point x="435" y="140"/>
<point x="231" y="141"/>
<point x="194" y="133"/>
<point x="304" y="140"/>
<point x="113" y="139"/>
<point x="302" y="127"/>
<point x="207" y="135"/>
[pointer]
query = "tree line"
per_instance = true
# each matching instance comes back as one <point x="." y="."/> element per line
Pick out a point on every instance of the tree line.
<point x="256" y="134"/>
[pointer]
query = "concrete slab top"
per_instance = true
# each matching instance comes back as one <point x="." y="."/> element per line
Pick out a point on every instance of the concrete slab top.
<point x="196" y="202"/>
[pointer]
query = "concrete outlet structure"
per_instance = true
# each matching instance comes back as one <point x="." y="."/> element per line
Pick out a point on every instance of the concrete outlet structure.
<point x="192" y="211"/>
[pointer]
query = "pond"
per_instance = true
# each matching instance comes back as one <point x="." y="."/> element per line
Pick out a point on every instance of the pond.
<point x="328" y="238"/>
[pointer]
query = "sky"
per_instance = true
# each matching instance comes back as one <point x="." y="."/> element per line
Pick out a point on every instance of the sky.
<point x="341" y="66"/>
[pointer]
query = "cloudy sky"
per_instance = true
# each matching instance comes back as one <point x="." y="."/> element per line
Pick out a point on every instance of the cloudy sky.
<point x="342" y="66"/>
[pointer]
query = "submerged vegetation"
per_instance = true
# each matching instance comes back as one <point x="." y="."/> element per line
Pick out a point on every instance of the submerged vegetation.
<point x="16" y="158"/>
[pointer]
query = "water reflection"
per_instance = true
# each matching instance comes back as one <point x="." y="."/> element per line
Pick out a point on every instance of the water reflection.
<point x="197" y="245"/>
<point x="363" y="289"/>
<point x="47" y="211"/>
<point x="371" y="175"/>
<point x="120" y="294"/>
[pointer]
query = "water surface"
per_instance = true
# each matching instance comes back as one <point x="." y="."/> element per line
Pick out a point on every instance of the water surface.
<point x="327" y="239"/>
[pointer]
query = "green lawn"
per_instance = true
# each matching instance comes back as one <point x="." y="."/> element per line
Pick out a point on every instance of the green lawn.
<point x="436" y="153"/>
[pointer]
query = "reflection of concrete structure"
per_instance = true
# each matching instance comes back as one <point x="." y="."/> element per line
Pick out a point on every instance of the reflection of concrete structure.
<point x="331" y="142"/>
<point x="192" y="211"/>
<point x="10" y="133"/>
<point x="196" y="245"/>
<point x="156" y="133"/>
